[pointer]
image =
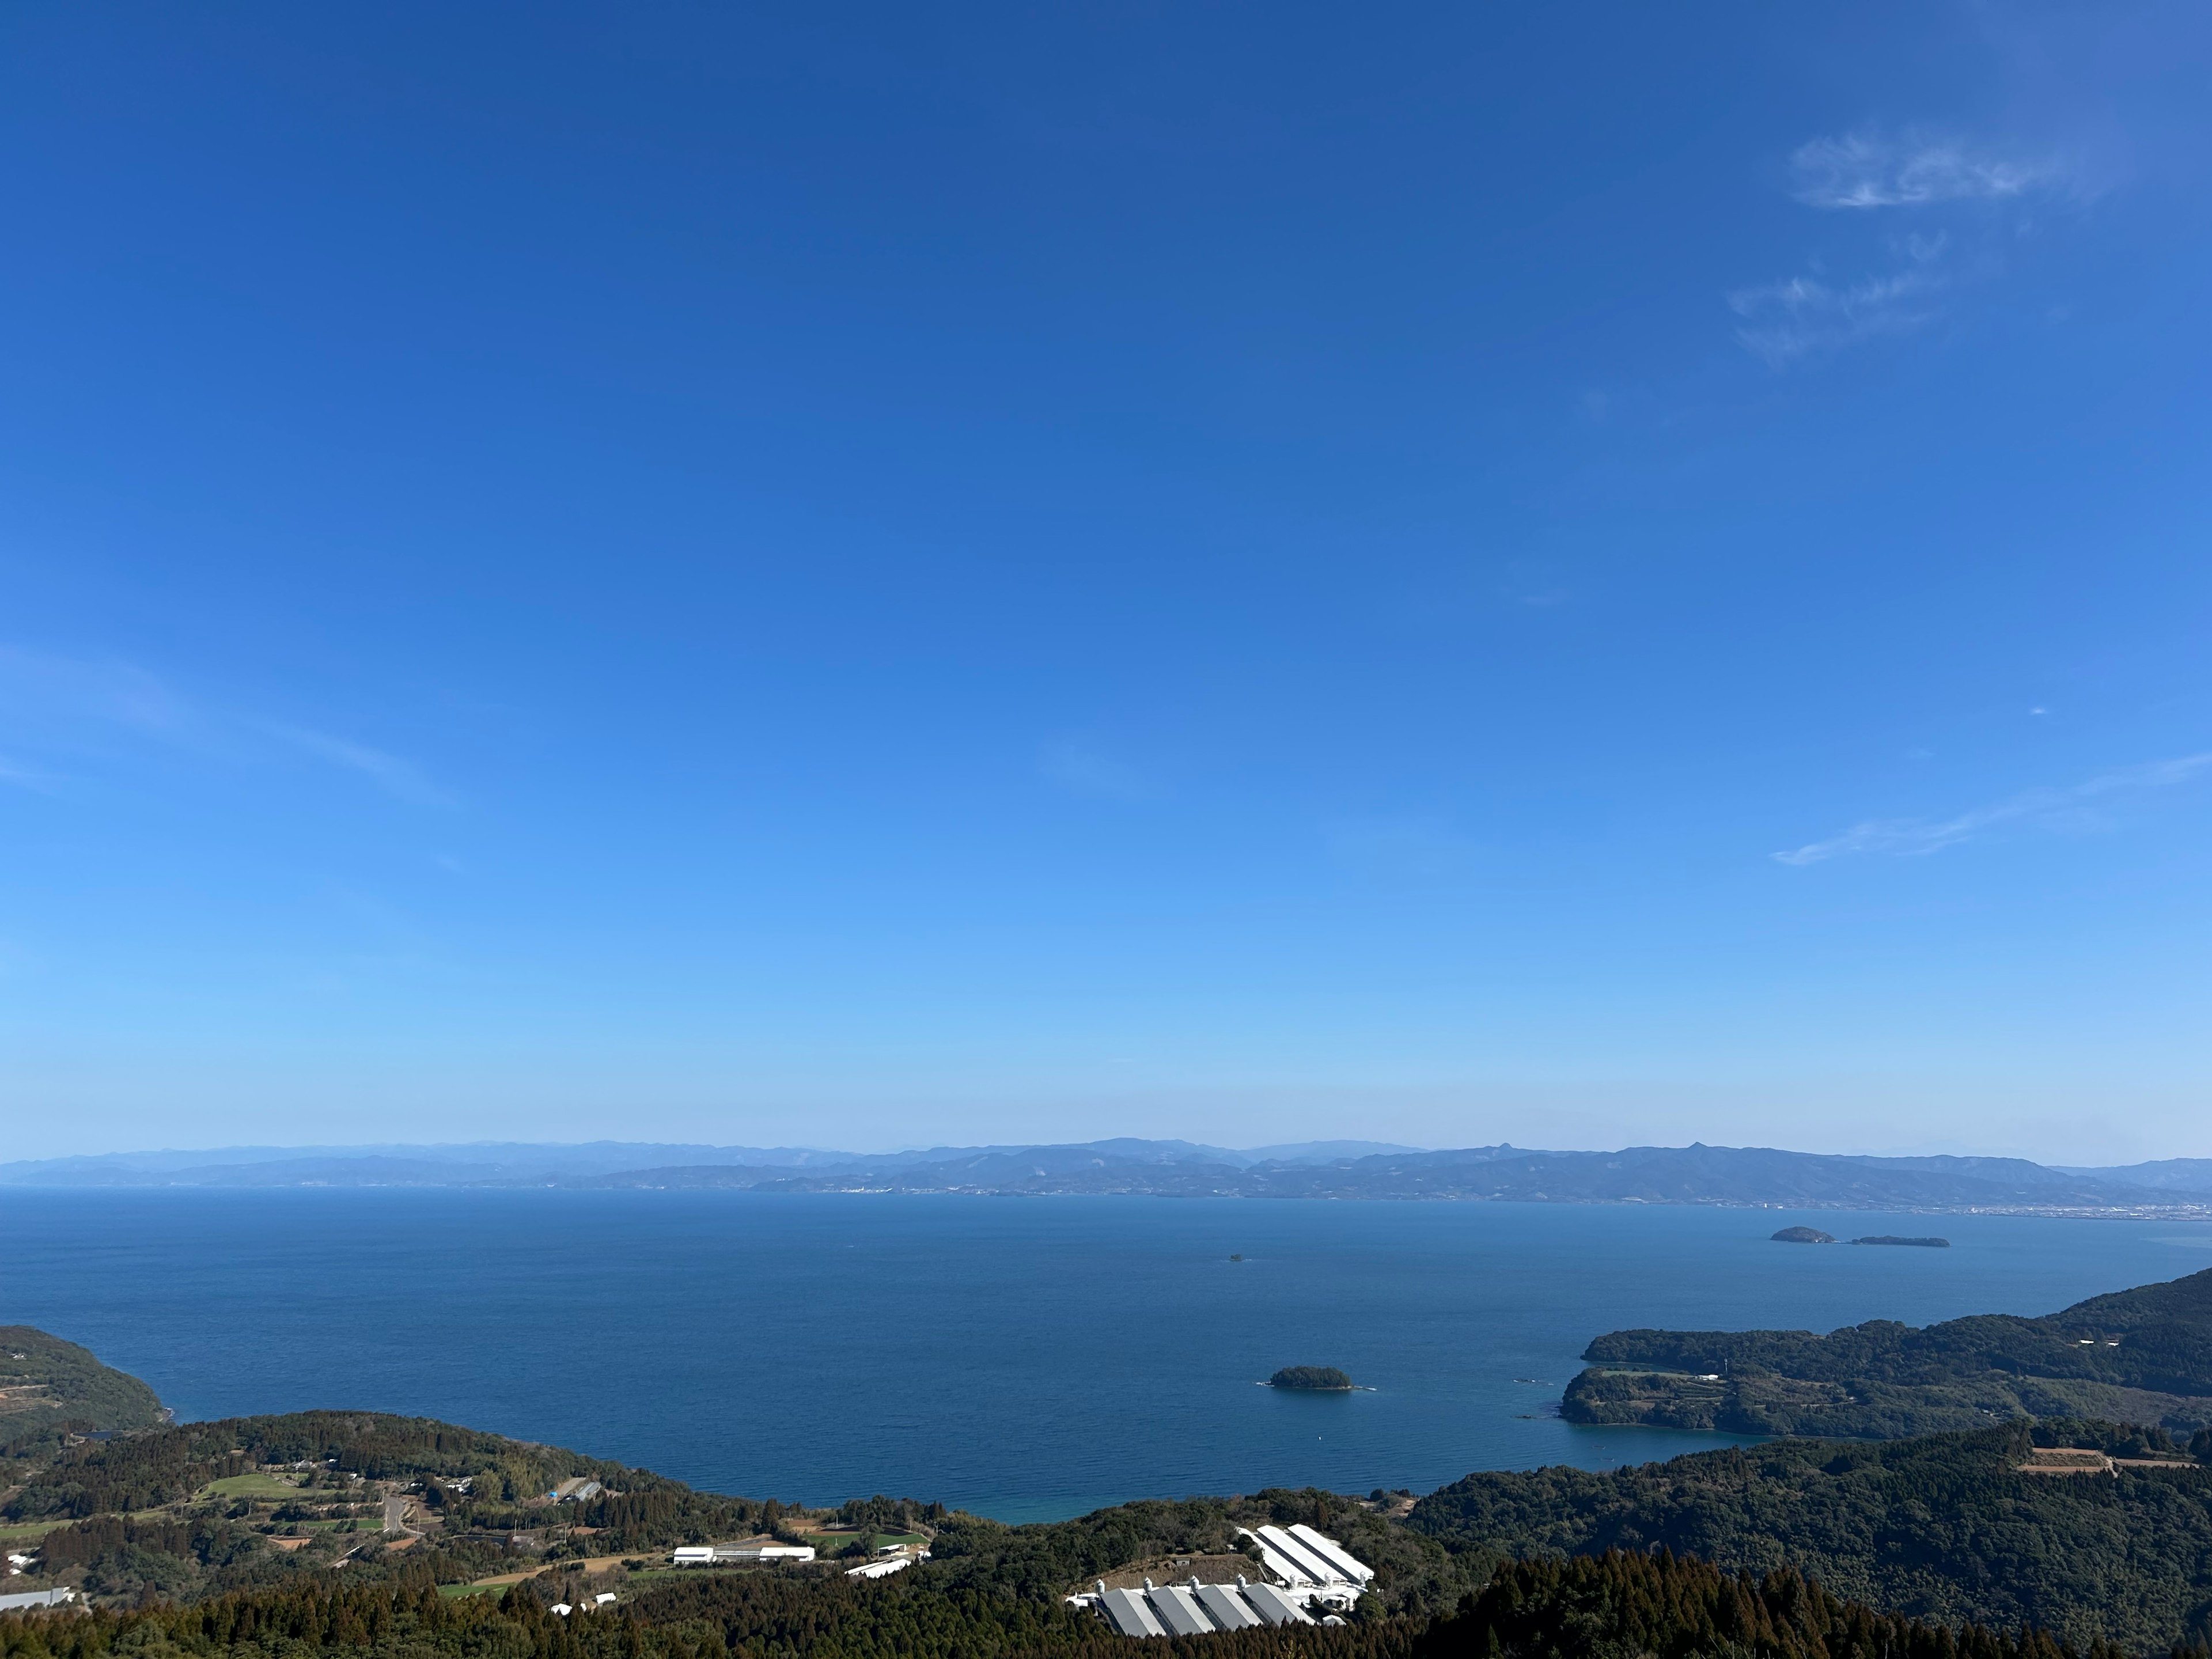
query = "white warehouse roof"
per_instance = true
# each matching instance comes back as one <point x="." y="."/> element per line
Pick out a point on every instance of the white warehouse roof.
<point x="1313" y="1569"/>
<point x="1333" y="1554"/>
<point x="1179" y="1610"/>
<point x="1127" y="1611"/>
<point x="1313" y="1566"/>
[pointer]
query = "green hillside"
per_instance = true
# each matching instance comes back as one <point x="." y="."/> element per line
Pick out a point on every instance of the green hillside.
<point x="1946" y="1528"/>
<point x="2139" y="1356"/>
<point x="47" y="1383"/>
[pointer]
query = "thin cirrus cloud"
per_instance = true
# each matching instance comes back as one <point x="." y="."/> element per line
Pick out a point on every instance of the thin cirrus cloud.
<point x="1788" y="322"/>
<point x="2073" y="808"/>
<point x="44" y="693"/>
<point x="401" y="779"/>
<point x="1863" y="170"/>
<point x="76" y="713"/>
<point x="22" y="777"/>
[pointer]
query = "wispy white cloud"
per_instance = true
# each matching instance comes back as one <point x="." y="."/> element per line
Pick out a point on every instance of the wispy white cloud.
<point x="395" y="776"/>
<point x="1081" y="770"/>
<point x="1801" y="317"/>
<point x="80" y="712"/>
<point x="1863" y="170"/>
<point x="1804" y="317"/>
<point x="40" y="689"/>
<point x="2052" y="809"/>
<point x="22" y="777"/>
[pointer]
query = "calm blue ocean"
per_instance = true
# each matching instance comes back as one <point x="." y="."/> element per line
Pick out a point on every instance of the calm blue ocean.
<point x="1027" y="1358"/>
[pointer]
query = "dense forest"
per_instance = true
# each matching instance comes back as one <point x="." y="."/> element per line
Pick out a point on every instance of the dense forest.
<point x="1618" y="1605"/>
<point x="2142" y="1356"/>
<point x="1947" y="1527"/>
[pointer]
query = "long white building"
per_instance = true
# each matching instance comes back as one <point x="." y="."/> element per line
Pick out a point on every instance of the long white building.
<point x="707" y="1555"/>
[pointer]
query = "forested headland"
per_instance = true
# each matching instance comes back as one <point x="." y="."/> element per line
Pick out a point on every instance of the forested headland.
<point x="49" y="1387"/>
<point x="2138" y="1356"/>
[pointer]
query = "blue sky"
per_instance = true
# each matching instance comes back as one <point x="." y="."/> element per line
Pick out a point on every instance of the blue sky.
<point x="1582" y="574"/>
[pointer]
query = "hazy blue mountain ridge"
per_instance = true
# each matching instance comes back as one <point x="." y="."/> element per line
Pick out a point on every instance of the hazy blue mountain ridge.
<point x="1638" y="1175"/>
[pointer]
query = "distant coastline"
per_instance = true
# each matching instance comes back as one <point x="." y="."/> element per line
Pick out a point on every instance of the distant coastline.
<point x="1720" y="1176"/>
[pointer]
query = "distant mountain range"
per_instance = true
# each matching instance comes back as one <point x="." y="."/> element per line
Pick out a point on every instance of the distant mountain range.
<point x="1742" y="1176"/>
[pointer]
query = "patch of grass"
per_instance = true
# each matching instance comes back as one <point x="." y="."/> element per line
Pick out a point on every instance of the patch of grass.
<point x="256" y="1484"/>
<point x="828" y="1542"/>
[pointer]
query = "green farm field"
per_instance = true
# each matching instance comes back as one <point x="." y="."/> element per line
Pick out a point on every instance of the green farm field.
<point x="255" y="1484"/>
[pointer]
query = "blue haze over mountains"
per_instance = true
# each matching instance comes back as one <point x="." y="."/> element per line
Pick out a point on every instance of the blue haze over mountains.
<point x="1319" y="1169"/>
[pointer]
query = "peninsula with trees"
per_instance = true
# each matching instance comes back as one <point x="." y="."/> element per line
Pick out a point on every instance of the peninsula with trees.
<point x="2140" y="1356"/>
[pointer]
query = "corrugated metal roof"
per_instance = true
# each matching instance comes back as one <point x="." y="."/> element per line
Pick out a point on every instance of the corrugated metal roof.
<point x="1314" y="1567"/>
<point x="1277" y="1563"/>
<point x="1127" y="1611"/>
<point x="1272" y="1605"/>
<point x="1179" y="1611"/>
<point x="1333" y="1553"/>
<point x="1226" y="1607"/>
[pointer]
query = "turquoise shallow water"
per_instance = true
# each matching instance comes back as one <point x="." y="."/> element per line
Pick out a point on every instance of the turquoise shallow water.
<point x="1026" y="1357"/>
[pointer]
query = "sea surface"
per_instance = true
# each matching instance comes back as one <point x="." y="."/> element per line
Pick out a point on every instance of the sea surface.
<point x="1028" y="1358"/>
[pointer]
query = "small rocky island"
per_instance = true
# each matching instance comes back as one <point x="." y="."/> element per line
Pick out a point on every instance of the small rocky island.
<point x="1804" y="1236"/>
<point x="1313" y="1379"/>
<point x="1891" y="1238"/>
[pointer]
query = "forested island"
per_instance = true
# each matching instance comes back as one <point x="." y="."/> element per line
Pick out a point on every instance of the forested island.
<point x="1313" y="1379"/>
<point x="2139" y="1356"/>
<point x="1804" y="1236"/>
